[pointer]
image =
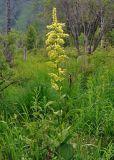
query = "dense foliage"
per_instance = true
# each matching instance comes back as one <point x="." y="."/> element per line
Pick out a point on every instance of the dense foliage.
<point x="31" y="38"/>
<point x="36" y="123"/>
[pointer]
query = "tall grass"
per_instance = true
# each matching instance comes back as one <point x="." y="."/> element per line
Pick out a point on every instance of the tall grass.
<point x="37" y="124"/>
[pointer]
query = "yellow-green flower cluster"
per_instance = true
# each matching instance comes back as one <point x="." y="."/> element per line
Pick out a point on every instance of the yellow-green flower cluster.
<point x="56" y="53"/>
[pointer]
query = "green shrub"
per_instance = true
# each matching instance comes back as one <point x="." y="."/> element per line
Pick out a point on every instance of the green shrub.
<point x="31" y="38"/>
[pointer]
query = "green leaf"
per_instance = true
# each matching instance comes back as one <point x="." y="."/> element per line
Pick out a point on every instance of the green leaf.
<point x="50" y="103"/>
<point x="65" y="151"/>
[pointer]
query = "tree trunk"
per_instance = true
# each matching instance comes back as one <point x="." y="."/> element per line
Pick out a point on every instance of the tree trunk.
<point x="88" y="47"/>
<point x="25" y="54"/>
<point x="102" y="28"/>
<point x="76" y="41"/>
<point x="86" y="43"/>
<point x="9" y="58"/>
<point x="8" y="18"/>
<point x="8" y="54"/>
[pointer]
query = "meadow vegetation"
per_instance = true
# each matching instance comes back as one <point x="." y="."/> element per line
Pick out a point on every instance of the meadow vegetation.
<point x="36" y="123"/>
<point x="54" y="103"/>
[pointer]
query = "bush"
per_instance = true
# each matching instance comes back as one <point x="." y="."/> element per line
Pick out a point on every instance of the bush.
<point x="31" y="38"/>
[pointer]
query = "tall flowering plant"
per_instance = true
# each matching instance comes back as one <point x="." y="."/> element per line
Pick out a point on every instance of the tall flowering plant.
<point x="56" y="53"/>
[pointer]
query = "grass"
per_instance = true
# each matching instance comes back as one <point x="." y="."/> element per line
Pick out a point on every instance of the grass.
<point x="36" y="123"/>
